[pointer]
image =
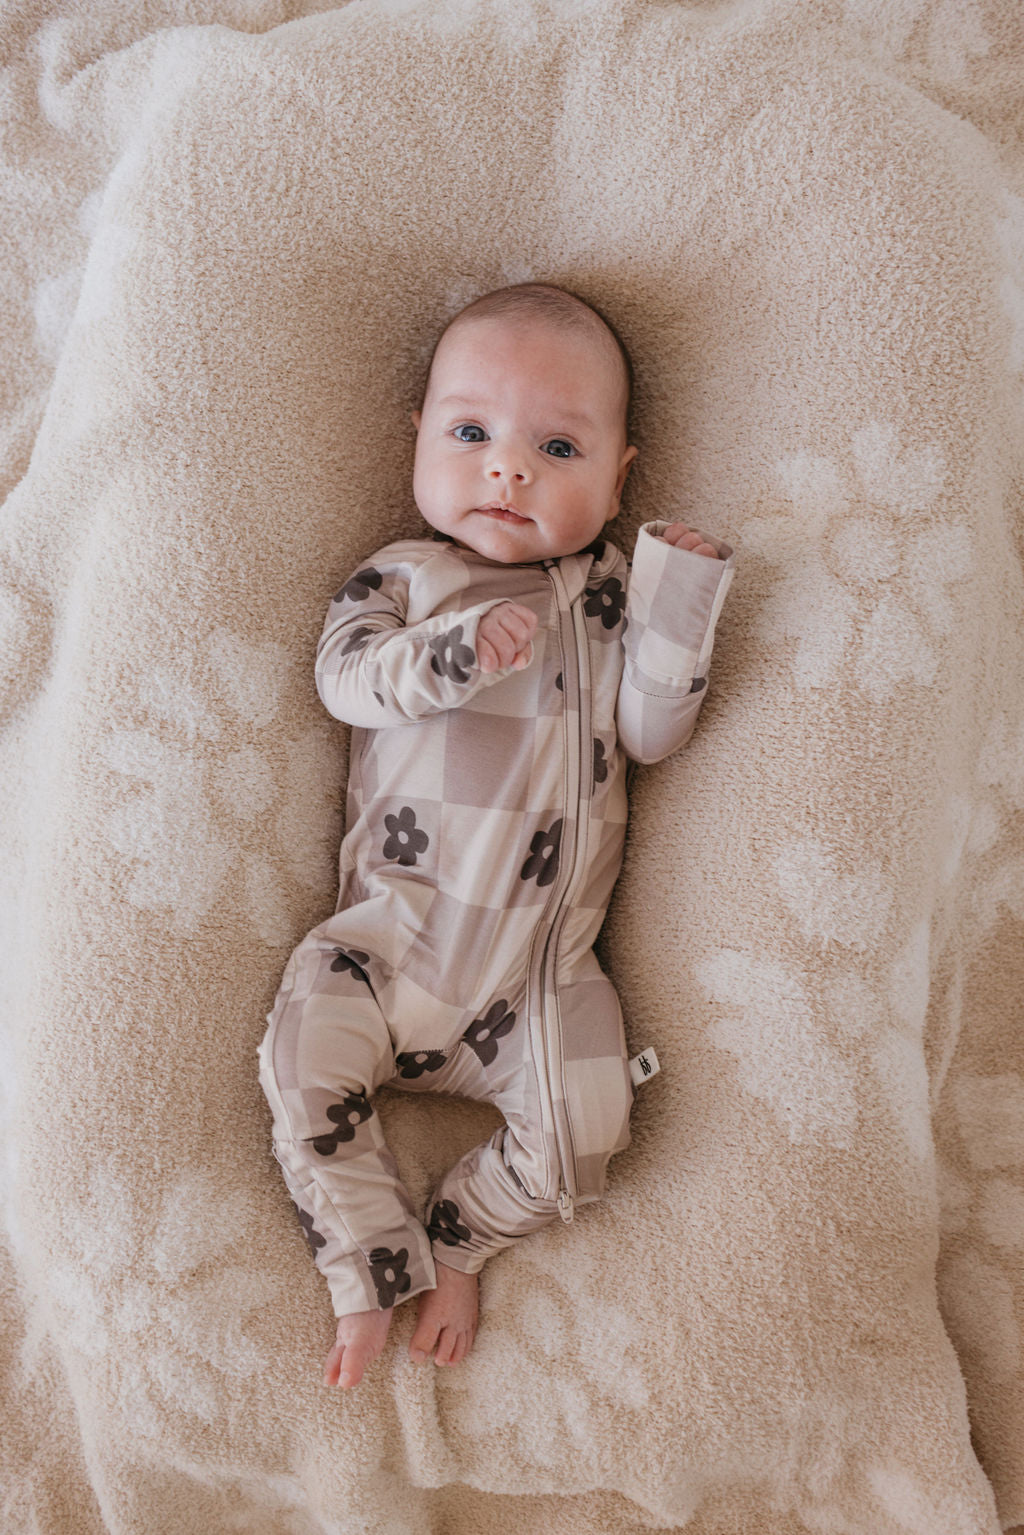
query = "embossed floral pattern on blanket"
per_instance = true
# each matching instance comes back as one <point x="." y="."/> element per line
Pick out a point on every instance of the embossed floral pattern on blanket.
<point x="194" y="778"/>
<point x="132" y="1272"/>
<point x="855" y="528"/>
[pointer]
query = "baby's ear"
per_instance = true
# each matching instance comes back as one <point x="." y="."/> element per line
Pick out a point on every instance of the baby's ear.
<point x="625" y="464"/>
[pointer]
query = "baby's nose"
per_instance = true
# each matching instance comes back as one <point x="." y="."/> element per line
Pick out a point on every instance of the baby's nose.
<point x="508" y="463"/>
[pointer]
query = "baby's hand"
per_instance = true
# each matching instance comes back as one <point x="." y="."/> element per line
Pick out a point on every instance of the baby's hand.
<point x="684" y="538"/>
<point x="503" y="637"/>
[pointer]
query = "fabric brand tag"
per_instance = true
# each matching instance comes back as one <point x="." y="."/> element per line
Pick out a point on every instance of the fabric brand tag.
<point x="643" y="1066"/>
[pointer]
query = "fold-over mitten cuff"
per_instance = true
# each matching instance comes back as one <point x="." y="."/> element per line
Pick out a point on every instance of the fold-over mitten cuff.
<point x="675" y="597"/>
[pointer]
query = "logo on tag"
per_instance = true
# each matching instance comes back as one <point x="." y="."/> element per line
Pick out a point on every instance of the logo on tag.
<point x="643" y="1066"/>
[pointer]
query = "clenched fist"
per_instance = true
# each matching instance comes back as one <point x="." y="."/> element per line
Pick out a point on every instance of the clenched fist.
<point x="503" y="637"/>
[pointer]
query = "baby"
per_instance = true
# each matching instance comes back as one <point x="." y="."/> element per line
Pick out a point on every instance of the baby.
<point x="496" y="676"/>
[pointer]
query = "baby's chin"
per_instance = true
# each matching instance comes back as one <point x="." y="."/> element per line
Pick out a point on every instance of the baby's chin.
<point x="502" y="539"/>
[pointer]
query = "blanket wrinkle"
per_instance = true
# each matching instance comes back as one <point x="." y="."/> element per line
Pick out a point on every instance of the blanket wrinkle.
<point x="234" y="230"/>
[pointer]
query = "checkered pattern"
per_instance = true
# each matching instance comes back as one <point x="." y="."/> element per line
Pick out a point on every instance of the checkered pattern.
<point x="474" y="882"/>
<point x="668" y="642"/>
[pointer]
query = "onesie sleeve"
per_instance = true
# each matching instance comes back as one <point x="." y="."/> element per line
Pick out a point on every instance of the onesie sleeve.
<point x="374" y="669"/>
<point x="673" y="601"/>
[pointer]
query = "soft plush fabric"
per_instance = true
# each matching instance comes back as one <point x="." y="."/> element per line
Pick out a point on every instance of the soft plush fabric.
<point x="232" y="232"/>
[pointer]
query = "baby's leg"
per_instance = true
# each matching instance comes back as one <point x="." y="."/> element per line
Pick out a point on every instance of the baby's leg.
<point x="448" y="1314"/>
<point x="509" y="1186"/>
<point x="326" y="1051"/>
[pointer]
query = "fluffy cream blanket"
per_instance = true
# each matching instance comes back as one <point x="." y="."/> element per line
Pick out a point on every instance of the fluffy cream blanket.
<point x="232" y="231"/>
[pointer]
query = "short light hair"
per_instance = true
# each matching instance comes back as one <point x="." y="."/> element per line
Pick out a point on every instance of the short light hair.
<point x="544" y="301"/>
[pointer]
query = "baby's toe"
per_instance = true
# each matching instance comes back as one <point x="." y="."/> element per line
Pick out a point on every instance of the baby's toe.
<point x="332" y="1364"/>
<point x="461" y="1348"/>
<point x="340" y="1367"/>
<point x="423" y="1340"/>
<point x="449" y="1342"/>
<point x="456" y="1348"/>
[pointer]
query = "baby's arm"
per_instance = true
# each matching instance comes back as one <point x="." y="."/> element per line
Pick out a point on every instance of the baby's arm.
<point x="676" y="591"/>
<point x="374" y="668"/>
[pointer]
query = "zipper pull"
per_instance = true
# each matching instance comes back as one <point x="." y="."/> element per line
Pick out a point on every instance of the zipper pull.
<point x="565" y="1209"/>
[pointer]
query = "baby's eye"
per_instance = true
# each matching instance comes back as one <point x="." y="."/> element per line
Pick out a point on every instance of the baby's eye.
<point x="467" y="426"/>
<point x="559" y="448"/>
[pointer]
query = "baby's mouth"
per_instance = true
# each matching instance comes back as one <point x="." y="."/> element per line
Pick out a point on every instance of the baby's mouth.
<point x="502" y="512"/>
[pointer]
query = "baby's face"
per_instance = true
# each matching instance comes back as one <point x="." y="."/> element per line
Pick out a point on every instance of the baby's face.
<point x="521" y="446"/>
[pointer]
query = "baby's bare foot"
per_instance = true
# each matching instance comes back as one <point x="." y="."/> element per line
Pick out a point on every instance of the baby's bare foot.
<point x="360" y="1338"/>
<point x="447" y="1317"/>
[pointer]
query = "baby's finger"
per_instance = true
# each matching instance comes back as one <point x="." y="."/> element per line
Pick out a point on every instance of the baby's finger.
<point x="691" y="540"/>
<point x="518" y="623"/>
<point x="698" y="544"/>
<point x="526" y="616"/>
<point x="505" y="644"/>
<point x="674" y="532"/>
<point x="486" y="655"/>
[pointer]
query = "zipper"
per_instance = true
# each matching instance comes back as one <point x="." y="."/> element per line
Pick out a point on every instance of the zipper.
<point x="571" y="852"/>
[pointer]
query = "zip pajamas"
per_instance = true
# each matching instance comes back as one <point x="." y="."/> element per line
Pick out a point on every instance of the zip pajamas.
<point x="485" y="821"/>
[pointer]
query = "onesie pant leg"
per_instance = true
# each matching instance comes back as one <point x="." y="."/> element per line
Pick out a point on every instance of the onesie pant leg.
<point x="326" y="1050"/>
<point x="508" y="1186"/>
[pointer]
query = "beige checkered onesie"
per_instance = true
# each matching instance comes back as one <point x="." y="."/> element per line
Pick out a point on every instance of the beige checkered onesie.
<point x="485" y="823"/>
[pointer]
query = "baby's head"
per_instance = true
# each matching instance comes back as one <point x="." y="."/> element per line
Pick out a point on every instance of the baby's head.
<point x="521" y="449"/>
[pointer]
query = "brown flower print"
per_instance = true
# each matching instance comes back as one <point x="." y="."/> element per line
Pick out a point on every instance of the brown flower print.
<point x="608" y="602"/>
<point x="542" y="864"/>
<point x="348" y="1115"/>
<point x="483" y="1033"/>
<point x="358" y="587"/>
<point x="352" y="962"/>
<point x="405" y="840"/>
<point x="450" y="657"/>
<point x="445" y="1226"/>
<point x="387" y="1270"/>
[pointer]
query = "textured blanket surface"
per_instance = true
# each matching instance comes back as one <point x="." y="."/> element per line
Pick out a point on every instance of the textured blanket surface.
<point x="231" y="233"/>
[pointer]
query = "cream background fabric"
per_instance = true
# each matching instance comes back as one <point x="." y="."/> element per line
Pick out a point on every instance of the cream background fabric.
<point x="232" y="232"/>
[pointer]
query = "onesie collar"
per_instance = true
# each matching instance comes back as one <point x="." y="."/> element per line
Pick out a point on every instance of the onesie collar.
<point x="589" y="565"/>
